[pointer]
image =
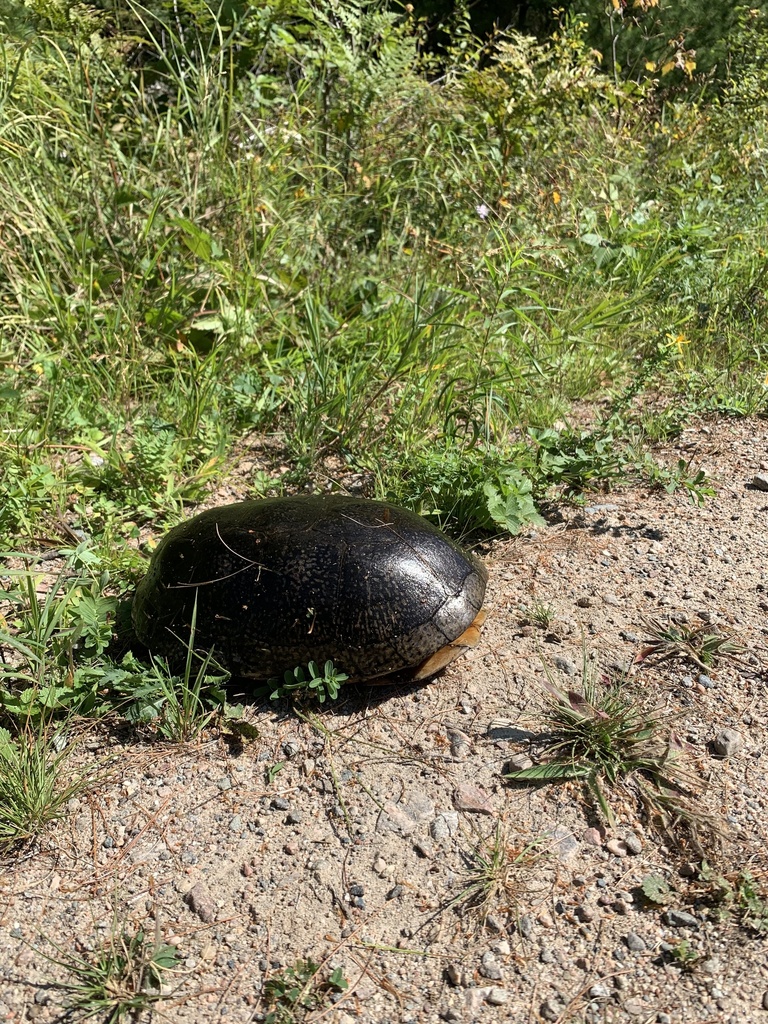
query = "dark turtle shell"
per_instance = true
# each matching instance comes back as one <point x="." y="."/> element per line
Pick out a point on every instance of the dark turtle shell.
<point x="283" y="581"/>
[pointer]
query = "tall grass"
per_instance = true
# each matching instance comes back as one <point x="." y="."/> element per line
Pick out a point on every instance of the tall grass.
<point x="298" y="225"/>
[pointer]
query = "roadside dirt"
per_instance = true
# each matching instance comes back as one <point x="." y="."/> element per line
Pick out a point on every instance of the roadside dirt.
<point x="348" y="834"/>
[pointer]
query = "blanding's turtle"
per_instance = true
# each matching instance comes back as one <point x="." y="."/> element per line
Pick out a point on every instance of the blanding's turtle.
<point x="282" y="581"/>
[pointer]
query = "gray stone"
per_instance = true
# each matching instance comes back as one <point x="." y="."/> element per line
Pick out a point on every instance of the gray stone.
<point x="680" y="919"/>
<point x="496" y="996"/>
<point x="406" y="816"/>
<point x="565" y="665"/>
<point x="599" y="992"/>
<point x="760" y="481"/>
<point x="633" y="843"/>
<point x="635" y="942"/>
<point x="563" y="843"/>
<point x="525" y="926"/>
<point x="444" y="825"/>
<point x="490" y="968"/>
<point x="727" y="742"/>
<point x="550" y="1009"/>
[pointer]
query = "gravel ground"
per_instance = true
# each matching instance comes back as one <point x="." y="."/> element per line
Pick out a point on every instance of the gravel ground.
<point x="355" y="851"/>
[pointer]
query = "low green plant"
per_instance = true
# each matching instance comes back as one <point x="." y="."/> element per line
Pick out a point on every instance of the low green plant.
<point x="179" y="706"/>
<point x="500" y="875"/>
<point x="604" y="737"/>
<point x="539" y="613"/>
<point x="296" y="991"/>
<point x="312" y="683"/>
<point x="579" y="459"/>
<point x="684" y="957"/>
<point x="703" y="645"/>
<point x="120" y="980"/>
<point x="737" y="894"/>
<point x="469" y="491"/>
<point x="656" y="889"/>
<point x="36" y="780"/>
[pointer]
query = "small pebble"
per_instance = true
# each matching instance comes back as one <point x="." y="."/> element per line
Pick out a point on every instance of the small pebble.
<point x="760" y="481"/>
<point x="633" y="843"/>
<point x="549" y="1010"/>
<point x="565" y="665"/>
<point x="635" y="942"/>
<point x="765" y="1000"/>
<point x="727" y="742"/>
<point x="680" y="919"/>
<point x="599" y="992"/>
<point x="617" y="847"/>
<point x="279" y="803"/>
<point x="201" y="902"/>
<point x="489" y="967"/>
<point x="496" y="996"/>
<point x="592" y="837"/>
<point x="472" y="799"/>
<point x="518" y="762"/>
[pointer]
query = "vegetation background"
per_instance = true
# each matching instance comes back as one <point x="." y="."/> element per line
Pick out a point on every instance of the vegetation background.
<point x="473" y="259"/>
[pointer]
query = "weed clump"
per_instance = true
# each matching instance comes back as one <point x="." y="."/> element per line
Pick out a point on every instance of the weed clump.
<point x="500" y="877"/>
<point x="605" y="738"/>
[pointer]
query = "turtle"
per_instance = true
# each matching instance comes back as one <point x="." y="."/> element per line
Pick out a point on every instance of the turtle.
<point x="274" y="583"/>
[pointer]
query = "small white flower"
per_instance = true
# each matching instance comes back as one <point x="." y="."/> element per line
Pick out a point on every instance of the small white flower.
<point x="482" y="211"/>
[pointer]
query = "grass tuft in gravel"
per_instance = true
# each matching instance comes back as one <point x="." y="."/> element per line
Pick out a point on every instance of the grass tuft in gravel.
<point x="500" y="876"/>
<point x="35" y="782"/>
<point x="603" y="736"/>
<point x="702" y="645"/>
<point x="120" y="980"/>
